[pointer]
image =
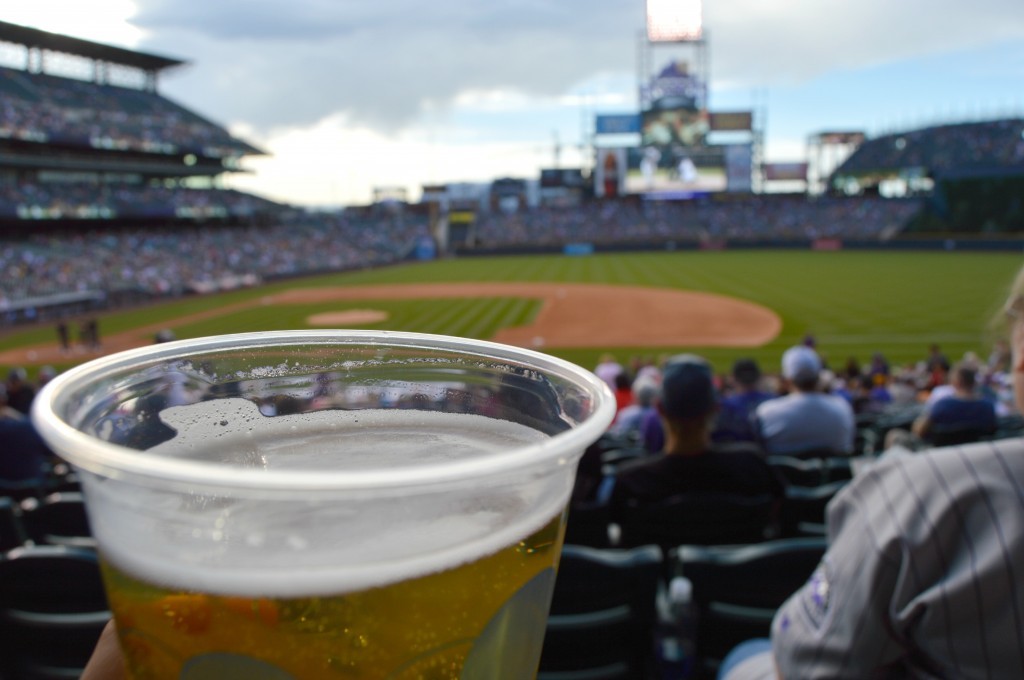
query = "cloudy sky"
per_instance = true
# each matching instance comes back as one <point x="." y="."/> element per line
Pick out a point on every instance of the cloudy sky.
<point x="348" y="95"/>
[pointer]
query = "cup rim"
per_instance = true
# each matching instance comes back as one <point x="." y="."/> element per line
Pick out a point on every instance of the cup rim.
<point x="112" y="460"/>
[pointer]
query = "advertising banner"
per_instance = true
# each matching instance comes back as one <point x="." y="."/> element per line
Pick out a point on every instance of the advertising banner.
<point x="730" y="121"/>
<point x="617" y="124"/>
<point x="610" y="172"/>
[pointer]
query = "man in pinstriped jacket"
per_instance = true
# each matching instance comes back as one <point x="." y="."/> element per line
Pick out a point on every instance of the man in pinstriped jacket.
<point x="924" y="576"/>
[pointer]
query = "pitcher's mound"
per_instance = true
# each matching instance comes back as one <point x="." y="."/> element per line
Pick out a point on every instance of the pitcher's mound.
<point x="349" y="317"/>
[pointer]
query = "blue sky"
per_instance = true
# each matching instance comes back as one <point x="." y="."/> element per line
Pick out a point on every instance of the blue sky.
<point x="348" y="96"/>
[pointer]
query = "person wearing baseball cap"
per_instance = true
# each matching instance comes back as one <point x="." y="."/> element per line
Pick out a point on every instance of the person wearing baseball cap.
<point x="806" y="421"/>
<point x="687" y="403"/>
<point x="736" y="412"/>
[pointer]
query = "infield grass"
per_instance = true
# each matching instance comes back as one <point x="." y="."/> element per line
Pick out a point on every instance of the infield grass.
<point x="854" y="303"/>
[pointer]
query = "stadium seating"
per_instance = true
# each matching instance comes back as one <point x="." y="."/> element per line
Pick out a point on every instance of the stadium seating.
<point x="738" y="588"/>
<point x="811" y="471"/>
<point x="602" y="615"/>
<point x="803" y="508"/>
<point x="59" y="519"/>
<point x="699" y="519"/>
<point x="12" y="529"/>
<point x="52" y="609"/>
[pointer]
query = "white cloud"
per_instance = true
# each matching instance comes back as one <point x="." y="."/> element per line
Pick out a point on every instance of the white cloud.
<point x="105" y="21"/>
<point x="334" y="163"/>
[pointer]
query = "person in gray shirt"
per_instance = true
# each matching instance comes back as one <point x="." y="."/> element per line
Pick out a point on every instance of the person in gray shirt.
<point x="806" y="420"/>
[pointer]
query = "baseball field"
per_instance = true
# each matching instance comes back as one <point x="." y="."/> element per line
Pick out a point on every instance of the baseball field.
<point x="720" y="304"/>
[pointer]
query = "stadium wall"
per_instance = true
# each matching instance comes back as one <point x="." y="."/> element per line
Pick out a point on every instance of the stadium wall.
<point x="925" y="244"/>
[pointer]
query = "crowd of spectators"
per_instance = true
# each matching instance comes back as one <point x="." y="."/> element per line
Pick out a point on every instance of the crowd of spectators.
<point x="942" y="149"/>
<point x="164" y="261"/>
<point x="49" y="109"/>
<point x="748" y="399"/>
<point x="28" y="200"/>
<point x="744" y="219"/>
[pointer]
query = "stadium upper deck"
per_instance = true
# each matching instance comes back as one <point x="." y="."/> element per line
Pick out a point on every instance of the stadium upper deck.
<point x="84" y="148"/>
<point x="946" y="151"/>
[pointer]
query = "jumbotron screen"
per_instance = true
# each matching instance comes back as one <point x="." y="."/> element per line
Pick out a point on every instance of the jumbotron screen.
<point x="675" y="170"/>
<point x="674" y="127"/>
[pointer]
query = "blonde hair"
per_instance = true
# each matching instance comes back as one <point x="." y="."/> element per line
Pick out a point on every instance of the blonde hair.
<point x="998" y="325"/>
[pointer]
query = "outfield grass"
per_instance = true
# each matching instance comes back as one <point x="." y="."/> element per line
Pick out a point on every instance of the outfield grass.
<point x="854" y="303"/>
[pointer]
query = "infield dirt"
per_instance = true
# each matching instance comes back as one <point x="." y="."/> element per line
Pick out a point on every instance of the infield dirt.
<point x="571" y="315"/>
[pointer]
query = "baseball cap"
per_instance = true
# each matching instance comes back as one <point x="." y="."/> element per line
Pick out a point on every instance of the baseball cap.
<point x="800" y="362"/>
<point x="746" y="371"/>
<point x="687" y="387"/>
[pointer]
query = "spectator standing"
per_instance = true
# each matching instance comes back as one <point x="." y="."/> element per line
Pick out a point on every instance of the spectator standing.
<point x="64" y="337"/>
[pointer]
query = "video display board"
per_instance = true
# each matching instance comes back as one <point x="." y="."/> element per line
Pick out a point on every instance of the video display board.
<point x="676" y="126"/>
<point x="840" y="137"/>
<point x="739" y="167"/>
<point x="675" y="170"/>
<point x="785" y="171"/>
<point x="561" y="177"/>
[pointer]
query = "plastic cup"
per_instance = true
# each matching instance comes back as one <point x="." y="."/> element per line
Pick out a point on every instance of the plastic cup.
<point x="327" y="503"/>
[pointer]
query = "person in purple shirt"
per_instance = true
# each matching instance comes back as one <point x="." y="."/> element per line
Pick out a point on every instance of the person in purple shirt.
<point x="735" y="422"/>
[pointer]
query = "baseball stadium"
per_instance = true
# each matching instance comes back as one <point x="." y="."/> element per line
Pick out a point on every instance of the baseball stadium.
<point x="116" y="232"/>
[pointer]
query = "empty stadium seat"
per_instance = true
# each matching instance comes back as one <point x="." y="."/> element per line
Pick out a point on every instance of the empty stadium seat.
<point x="602" y="617"/>
<point x="798" y="472"/>
<point x="737" y="589"/>
<point x="803" y="508"/>
<point x="699" y="519"/>
<point x="52" y="610"/>
<point x="12" y="530"/>
<point x="59" y="519"/>
<point x="589" y="524"/>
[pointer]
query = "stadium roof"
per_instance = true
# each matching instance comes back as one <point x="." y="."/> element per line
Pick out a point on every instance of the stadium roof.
<point x="34" y="37"/>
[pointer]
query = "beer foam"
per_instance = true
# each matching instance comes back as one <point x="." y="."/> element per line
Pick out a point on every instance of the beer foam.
<point x="234" y="432"/>
<point x="311" y="546"/>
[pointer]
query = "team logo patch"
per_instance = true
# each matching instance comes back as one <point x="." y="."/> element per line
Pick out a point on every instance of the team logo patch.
<point x="816" y="596"/>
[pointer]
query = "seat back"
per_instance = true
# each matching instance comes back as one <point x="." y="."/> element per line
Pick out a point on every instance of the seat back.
<point x="12" y="529"/>
<point x="52" y="610"/>
<point x="837" y="468"/>
<point x="59" y="519"/>
<point x="737" y="589"/>
<point x="588" y="524"/>
<point x="956" y="435"/>
<point x="803" y="508"/>
<point x="797" y="471"/>
<point x="22" y="489"/>
<point x="702" y="518"/>
<point x="602" y="614"/>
